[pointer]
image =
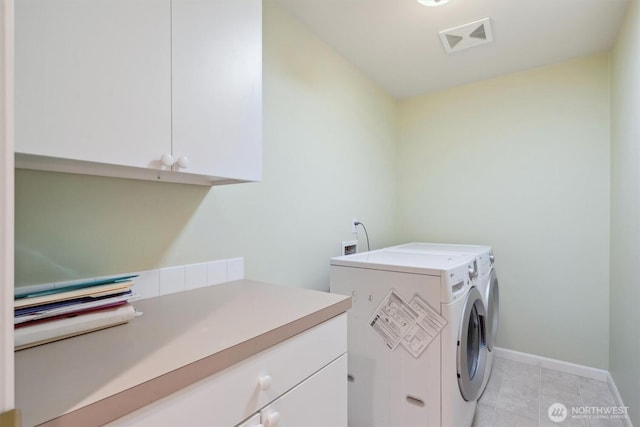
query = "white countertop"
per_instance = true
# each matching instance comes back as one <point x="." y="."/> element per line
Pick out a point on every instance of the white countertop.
<point x="180" y="339"/>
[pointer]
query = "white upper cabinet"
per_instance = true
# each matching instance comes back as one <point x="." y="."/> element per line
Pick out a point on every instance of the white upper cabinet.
<point x="151" y="89"/>
<point x="217" y="86"/>
<point x="93" y="80"/>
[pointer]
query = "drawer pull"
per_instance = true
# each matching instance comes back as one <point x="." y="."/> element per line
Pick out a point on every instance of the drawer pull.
<point x="265" y="382"/>
<point x="272" y="419"/>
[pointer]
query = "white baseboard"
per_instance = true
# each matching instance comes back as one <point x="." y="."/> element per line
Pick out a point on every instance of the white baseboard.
<point x="556" y="365"/>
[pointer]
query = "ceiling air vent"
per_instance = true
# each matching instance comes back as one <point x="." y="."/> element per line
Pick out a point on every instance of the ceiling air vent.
<point x="467" y="35"/>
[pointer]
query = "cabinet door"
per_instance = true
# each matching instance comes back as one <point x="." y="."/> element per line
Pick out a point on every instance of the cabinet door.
<point x="319" y="401"/>
<point x="93" y="80"/>
<point x="217" y="87"/>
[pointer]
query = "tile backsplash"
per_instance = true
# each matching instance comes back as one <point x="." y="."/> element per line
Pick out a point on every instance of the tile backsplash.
<point x="152" y="283"/>
<point x="168" y="280"/>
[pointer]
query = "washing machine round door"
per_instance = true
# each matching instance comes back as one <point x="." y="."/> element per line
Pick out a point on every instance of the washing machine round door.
<point x="493" y="310"/>
<point x="472" y="349"/>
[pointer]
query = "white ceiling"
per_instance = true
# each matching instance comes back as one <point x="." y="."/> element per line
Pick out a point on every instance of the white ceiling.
<point x="396" y="42"/>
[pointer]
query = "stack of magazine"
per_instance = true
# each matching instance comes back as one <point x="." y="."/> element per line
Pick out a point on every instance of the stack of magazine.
<point x="51" y="314"/>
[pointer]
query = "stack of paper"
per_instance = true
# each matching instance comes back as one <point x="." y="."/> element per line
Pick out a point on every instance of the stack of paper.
<point x="47" y="315"/>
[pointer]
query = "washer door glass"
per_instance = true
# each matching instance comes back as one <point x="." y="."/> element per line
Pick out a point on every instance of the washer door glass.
<point x="493" y="310"/>
<point x="472" y="349"/>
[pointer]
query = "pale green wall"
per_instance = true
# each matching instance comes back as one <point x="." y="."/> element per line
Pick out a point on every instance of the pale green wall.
<point x="521" y="163"/>
<point x="625" y="212"/>
<point x="329" y="155"/>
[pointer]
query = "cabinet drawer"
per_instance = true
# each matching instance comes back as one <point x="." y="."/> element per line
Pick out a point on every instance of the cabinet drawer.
<point x="232" y="395"/>
<point x="319" y="401"/>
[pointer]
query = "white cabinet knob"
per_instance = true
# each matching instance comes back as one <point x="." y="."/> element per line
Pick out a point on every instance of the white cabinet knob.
<point x="265" y="382"/>
<point x="272" y="419"/>
<point x="183" y="162"/>
<point x="167" y="160"/>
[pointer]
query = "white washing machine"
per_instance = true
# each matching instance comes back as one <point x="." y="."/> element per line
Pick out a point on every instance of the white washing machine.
<point x="416" y="343"/>
<point x="486" y="280"/>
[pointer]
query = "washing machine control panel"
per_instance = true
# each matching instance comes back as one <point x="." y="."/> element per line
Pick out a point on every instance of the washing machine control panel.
<point x="456" y="283"/>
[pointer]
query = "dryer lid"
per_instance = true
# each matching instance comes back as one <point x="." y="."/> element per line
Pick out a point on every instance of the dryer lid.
<point x="404" y="261"/>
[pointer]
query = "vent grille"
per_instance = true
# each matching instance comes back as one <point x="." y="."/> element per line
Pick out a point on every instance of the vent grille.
<point x="467" y="35"/>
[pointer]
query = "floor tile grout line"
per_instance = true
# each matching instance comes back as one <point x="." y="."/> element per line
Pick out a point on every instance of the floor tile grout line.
<point x="495" y="405"/>
<point x="584" y="422"/>
<point x="539" y="396"/>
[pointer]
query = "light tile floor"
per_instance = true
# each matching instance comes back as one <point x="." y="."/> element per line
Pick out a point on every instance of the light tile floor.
<point x="519" y="395"/>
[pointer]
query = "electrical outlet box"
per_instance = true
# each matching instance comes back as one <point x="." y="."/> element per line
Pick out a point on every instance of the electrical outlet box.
<point x="350" y="247"/>
<point x="354" y="226"/>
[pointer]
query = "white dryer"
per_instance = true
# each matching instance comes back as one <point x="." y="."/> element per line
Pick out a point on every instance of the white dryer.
<point x="401" y="372"/>
<point x="484" y="278"/>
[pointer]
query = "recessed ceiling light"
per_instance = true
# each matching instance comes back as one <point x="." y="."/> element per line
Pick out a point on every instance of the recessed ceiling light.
<point x="432" y="2"/>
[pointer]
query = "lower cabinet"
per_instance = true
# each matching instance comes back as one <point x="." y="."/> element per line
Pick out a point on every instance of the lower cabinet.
<point x="301" y="381"/>
<point x="316" y="402"/>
